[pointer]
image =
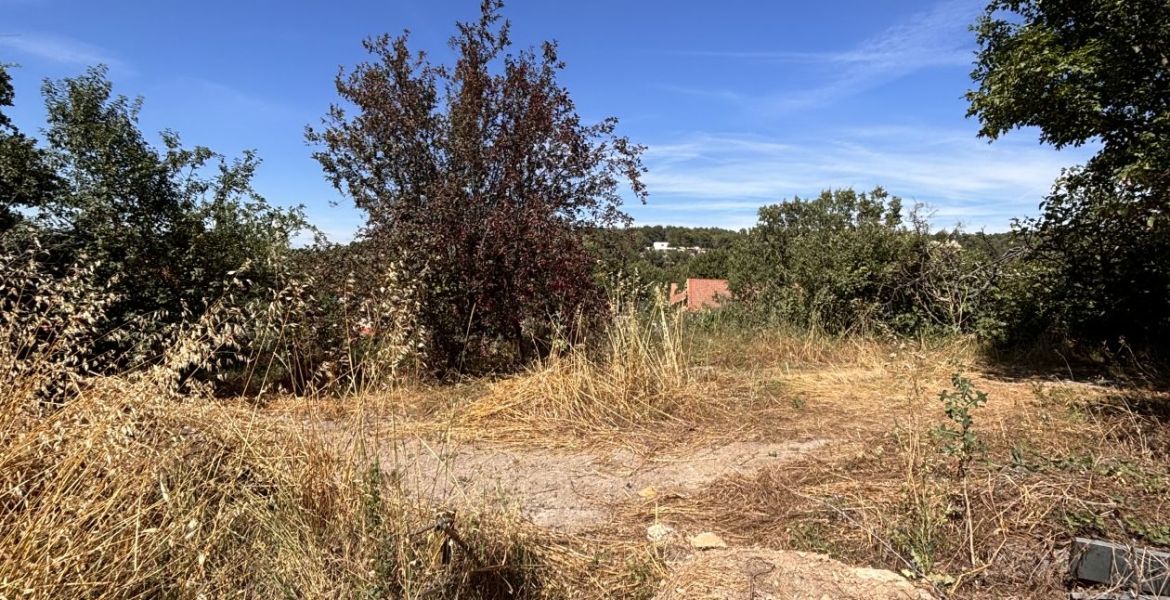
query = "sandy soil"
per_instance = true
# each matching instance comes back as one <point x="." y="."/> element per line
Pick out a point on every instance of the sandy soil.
<point x="567" y="490"/>
<point x="761" y="574"/>
<point x="577" y="490"/>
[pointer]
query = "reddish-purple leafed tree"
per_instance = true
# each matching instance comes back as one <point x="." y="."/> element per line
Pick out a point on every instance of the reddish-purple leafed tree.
<point x="480" y="177"/>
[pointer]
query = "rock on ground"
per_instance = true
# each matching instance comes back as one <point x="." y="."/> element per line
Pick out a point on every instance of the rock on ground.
<point x="762" y="574"/>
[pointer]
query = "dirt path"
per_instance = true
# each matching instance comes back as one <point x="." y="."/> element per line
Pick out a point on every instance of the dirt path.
<point x="571" y="490"/>
<point x="577" y="490"/>
<point x="760" y="574"/>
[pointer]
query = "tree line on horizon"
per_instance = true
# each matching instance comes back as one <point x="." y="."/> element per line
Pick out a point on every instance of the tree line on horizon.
<point x="493" y="214"/>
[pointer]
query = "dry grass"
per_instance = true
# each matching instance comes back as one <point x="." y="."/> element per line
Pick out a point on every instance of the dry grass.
<point x="1061" y="459"/>
<point x="639" y="381"/>
<point x="129" y="493"/>
<point x="126" y="488"/>
<point x="126" y="493"/>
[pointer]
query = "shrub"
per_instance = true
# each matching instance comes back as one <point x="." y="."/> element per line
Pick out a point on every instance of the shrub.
<point x="480" y="178"/>
<point x="959" y="440"/>
<point x="849" y="262"/>
<point x="178" y="219"/>
<point x="1086" y="71"/>
<point x="339" y="321"/>
<point x="1093" y="272"/>
<point x="138" y="488"/>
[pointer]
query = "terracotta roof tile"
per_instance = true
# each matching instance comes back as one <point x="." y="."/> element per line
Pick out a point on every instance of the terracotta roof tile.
<point x="706" y="293"/>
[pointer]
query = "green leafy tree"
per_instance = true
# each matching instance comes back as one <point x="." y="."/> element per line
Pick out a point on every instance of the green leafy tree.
<point x="1081" y="70"/>
<point x="1087" y="71"/>
<point x="840" y="261"/>
<point x="162" y="228"/>
<point x="26" y="179"/>
<point x="481" y="178"/>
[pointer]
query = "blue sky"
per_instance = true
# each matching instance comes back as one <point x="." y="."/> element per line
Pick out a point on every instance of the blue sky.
<point x="740" y="103"/>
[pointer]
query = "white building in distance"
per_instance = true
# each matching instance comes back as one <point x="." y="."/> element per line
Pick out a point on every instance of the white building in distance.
<point x="666" y="247"/>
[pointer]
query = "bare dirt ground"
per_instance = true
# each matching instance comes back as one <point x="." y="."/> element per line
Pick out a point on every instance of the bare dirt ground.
<point x="762" y="574"/>
<point x="572" y="490"/>
<point x="818" y="472"/>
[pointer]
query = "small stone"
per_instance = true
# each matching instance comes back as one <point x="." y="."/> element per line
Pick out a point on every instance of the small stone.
<point x="707" y="541"/>
<point x="659" y="532"/>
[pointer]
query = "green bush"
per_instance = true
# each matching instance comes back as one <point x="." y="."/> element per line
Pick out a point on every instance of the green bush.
<point x="848" y="261"/>
<point x="167" y="233"/>
<point x="1078" y="72"/>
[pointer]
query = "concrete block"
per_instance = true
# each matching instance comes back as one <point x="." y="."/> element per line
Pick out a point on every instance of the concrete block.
<point x="1126" y="567"/>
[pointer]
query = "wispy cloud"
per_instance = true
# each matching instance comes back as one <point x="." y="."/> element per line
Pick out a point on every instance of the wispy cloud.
<point x="224" y="96"/>
<point x="60" y="49"/>
<point x="724" y="95"/>
<point x="724" y="178"/>
<point x="937" y="37"/>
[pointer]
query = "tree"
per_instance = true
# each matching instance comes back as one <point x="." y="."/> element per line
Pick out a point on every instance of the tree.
<point x="1088" y="71"/>
<point x="481" y="177"/>
<point x="841" y="261"/>
<point x="1081" y="70"/>
<point x="160" y="229"/>
<point x="156" y="214"/>
<point x="26" y="180"/>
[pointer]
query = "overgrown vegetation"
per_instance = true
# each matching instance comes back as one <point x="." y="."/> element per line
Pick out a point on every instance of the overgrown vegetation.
<point x="1081" y="71"/>
<point x="153" y="305"/>
<point x="144" y="485"/>
<point x="842" y="261"/>
<point x="479" y="178"/>
<point x="636" y="377"/>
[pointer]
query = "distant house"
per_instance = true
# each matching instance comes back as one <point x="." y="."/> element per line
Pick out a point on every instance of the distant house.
<point x="666" y="247"/>
<point x="701" y="294"/>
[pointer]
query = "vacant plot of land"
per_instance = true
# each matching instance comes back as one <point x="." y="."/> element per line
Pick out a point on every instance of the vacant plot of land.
<point x="761" y="467"/>
<point x="834" y="452"/>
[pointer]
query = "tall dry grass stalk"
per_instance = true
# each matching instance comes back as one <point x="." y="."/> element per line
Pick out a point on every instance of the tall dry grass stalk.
<point x="123" y="493"/>
<point x="347" y="337"/>
<point x="127" y="493"/>
<point x="128" y="487"/>
<point x="49" y="326"/>
<point x="636" y="375"/>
